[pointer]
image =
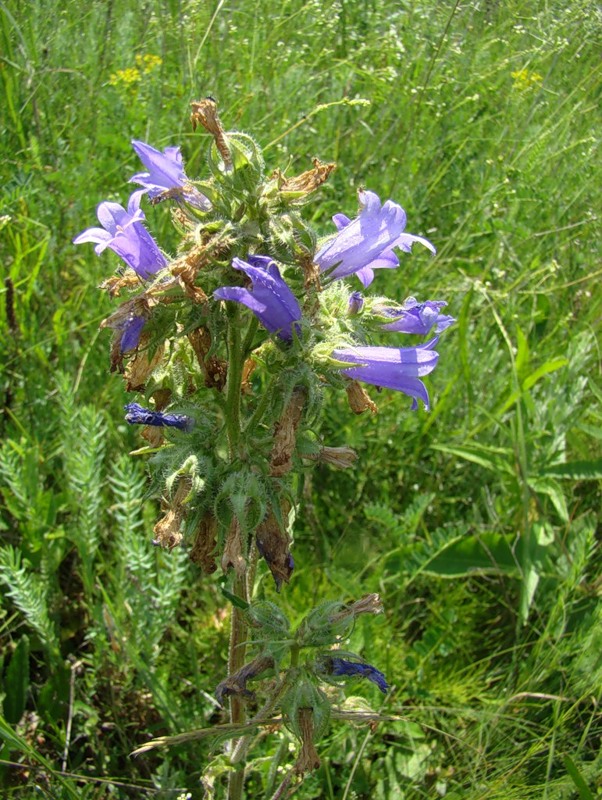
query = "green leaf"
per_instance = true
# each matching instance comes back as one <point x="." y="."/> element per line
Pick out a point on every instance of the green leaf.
<point x="550" y="366"/>
<point x="487" y="552"/>
<point x="522" y="353"/>
<point x="16" y="742"/>
<point x="583" y="789"/>
<point x="16" y="682"/>
<point x="234" y="599"/>
<point x="590" y="470"/>
<point x="497" y="459"/>
<point x="551" y="488"/>
<point x="528" y="588"/>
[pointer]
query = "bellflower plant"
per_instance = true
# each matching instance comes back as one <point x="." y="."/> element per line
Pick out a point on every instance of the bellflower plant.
<point x="166" y="176"/>
<point x="123" y="232"/>
<point x="415" y="317"/>
<point x="398" y="368"/>
<point x="137" y="415"/>
<point x="250" y="323"/>
<point x="366" y="243"/>
<point x="270" y="299"/>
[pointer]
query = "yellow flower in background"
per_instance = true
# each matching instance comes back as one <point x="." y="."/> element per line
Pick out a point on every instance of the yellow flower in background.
<point x="525" y="79"/>
<point x="148" y="62"/>
<point x="125" y="77"/>
<point x="130" y="77"/>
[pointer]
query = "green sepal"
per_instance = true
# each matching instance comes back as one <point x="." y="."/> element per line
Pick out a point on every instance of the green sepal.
<point x="268" y="617"/>
<point x="243" y="496"/>
<point x="317" y="629"/>
<point x="305" y="694"/>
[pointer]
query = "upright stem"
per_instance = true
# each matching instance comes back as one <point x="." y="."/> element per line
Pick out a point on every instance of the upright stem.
<point x="238" y="633"/>
<point x="236" y="660"/>
<point x="233" y="386"/>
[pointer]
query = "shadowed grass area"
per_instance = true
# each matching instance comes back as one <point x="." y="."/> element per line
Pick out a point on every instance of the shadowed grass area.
<point x="479" y="523"/>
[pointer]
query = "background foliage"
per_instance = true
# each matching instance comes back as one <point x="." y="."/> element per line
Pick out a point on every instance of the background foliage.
<point x="479" y="523"/>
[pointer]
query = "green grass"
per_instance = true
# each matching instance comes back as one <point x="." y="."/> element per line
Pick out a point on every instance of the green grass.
<point x="487" y="558"/>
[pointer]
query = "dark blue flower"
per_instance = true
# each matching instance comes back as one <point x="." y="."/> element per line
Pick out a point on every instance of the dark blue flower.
<point x="341" y="667"/>
<point x="270" y="299"/>
<point x="137" y="415"/>
<point x="131" y="331"/>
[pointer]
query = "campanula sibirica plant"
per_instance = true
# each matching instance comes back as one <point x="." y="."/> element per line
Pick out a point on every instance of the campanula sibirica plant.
<point x="230" y="345"/>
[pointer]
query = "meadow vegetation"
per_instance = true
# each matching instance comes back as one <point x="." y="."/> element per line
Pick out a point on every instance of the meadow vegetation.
<point x="478" y="522"/>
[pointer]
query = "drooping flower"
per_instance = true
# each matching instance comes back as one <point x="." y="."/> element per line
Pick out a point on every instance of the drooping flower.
<point x="366" y="243"/>
<point x="123" y="232"/>
<point x="398" y="368"/>
<point x="137" y="415"/>
<point x="342" y="667"/>
<point x="166" y="174"/>
<point x="415" y="317"/>
<point x="270" y="299"/>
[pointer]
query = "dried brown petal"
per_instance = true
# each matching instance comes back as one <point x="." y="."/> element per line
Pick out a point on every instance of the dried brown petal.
<point x="359" y="399"/>
<point x="308" y="181"/>
<point x="167" y="530"/>
<point x="237" y="684"/>
<point x="215" y="370"/>
<point x="274" y="545"/>
<point x="247" y="371"/>
<point x="154" y="436"/>
<point x="205" y="542"/>
<point x="233" y="554"/>
<point x="341" y="457"/>
<point x="116" y="283"/>
<point x="311" y="272"/>
<point x="308" y="759"/>
<point x="162" y="398"/>
<point x="204" y="112"/>
<point x="368" y="604"/>
<point x="141" y="366"/>
<point x="285" y="434"/>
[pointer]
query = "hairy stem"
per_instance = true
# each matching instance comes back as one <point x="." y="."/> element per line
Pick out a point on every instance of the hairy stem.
<point x="233" y="386"/>
<point x="236" y="660"/>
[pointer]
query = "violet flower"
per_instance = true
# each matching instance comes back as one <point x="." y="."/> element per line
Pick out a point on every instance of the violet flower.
<point x="356" y="303"/>
<point x="398" y="368"/>
<point x="131" y="330"/>
<point x="137" y="415"/>
<point x="341" y="667"/>
<point x="366" y="243"/>
<point x="123" y="232"/>
<point x="270" y="299"/>
<point x="166" y="174"/>
<point x="415" y="317"/>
